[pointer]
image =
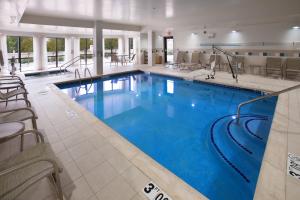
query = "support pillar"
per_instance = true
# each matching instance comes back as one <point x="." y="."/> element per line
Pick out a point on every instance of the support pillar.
<point x="39" y="52"/>
<point x="98" y="48"/>
<point x="150" y="48"/>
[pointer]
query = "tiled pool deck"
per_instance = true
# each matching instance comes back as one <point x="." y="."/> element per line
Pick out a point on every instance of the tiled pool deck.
<point x="100" y="165"/>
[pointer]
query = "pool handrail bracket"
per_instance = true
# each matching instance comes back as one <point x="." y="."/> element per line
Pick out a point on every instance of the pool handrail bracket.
<point x="272" y="94"/>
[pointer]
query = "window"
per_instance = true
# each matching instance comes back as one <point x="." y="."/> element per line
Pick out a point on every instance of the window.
<point x="55" y="51"/>
<point x="86" y="50"/>
<point x="21" y="48"/>
<point x="111" y="46"/>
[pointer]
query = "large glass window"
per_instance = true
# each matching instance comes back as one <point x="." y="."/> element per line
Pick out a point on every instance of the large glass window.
<point x="21" y="48"/>
<point x="111" y="46"/>
<point x="55" y="52"/>
<point x="86" y="50"/>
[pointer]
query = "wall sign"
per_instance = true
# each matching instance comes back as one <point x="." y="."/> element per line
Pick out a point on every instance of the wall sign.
<point x="153" y="192"/>
<point x="293" y="168"/>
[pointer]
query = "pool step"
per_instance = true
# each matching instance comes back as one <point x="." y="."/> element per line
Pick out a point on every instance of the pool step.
<point x="241" y="145"/>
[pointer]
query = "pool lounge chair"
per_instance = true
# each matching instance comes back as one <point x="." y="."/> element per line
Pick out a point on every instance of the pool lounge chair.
<point x="19" y="172"/>
<point x="238" y="61"/>
<point x="179" y="60"/>
<point x="216" y="59"/>
<point x="4" y="97"/>
<point x="274" y="67"/>
<point x="19" y="114"/>
<point x="194" y="64"/>
<point x="204" y="72"/>
<point x="292" y="69"/>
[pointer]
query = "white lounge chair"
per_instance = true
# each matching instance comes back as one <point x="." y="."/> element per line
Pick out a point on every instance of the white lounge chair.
<point x="204" y="72"/>
<point x="21" y="171"/>
<point x="19" y="114"/>
<point x="4" y="97"/>
<point x="194" y="64"/>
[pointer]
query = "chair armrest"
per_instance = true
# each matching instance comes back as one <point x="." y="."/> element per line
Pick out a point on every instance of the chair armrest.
<point x="26" y="100"/>
<point x="28" y="163"/>
<point x="23" y="133"/>
<point x="10" y="77"/>
<point x="18" y="109"/>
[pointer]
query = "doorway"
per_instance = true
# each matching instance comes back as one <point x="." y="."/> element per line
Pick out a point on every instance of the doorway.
<point x="169" y="49"/>
<point x="55" y="52"/>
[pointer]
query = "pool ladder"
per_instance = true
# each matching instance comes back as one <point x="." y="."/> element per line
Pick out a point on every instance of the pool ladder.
<point x="238" y="113"/>
<point x="85" y="72"/>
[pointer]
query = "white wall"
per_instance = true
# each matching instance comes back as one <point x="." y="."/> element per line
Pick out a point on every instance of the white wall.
<point x="270" y="33"/>
<point x="278" y="37"/>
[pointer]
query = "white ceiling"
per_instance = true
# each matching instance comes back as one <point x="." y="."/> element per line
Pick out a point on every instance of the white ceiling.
<point x="171" y="13"/>
<point x="156" y="14"/>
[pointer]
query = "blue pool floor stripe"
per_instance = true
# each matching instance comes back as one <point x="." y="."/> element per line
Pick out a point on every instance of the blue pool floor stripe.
<point x="221" y="153"/>
<point x="233" y="138"/>
<point x="249" y="130"/>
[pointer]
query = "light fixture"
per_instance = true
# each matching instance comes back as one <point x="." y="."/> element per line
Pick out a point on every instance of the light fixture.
<point x="234" y="31"/>
<point x="296" y="27"/>
<point x="193" y="105"/>
<point x="194" y="33"/>
<point x="159" y="94"/>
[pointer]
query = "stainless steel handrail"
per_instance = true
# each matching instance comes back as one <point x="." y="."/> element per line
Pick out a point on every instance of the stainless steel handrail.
<point x="70" y="62"/>
<point x="234" y="75"/>
<point x="88" y="70"/>
<point x="77" y="70"/>
<point x="238" y="113"/>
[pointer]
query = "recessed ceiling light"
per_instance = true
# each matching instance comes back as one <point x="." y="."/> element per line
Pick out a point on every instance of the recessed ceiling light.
<point x="296" y="27"/>
<point x="234" y="31"/>
<point x="194" y="33"/>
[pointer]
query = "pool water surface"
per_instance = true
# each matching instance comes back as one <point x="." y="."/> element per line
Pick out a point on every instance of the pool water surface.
<point x="187" y="127"/>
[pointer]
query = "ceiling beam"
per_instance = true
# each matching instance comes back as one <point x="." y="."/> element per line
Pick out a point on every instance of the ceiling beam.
<point x="57" y="21"/>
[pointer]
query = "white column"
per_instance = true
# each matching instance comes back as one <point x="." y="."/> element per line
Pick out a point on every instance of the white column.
<point x="72" y="47"/>
<point x="3" y="47"/>
<point x="44" y="53"/>
<point x="137" y="47"/>
<point x="76" y="47"/>
<point x="98" y="48"/>
<point x="38" y="52"/>
<point x="68" y="49"/>
<point x="150" y="48"/>
<point x="120" y="45"/>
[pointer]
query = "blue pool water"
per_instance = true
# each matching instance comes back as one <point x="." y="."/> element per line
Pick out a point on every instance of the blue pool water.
<point x="187" y="127"/>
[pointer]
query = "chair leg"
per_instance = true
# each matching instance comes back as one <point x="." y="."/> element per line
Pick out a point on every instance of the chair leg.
<point x="58" y="185"/>
<point x="22" y="143"/>
<point x="34" y="126"/>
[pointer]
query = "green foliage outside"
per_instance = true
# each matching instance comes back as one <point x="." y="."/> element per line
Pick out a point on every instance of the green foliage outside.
<point x="51" y="44"/>
<point x="26" y="44"/>
<point x="111" y="43"/>
<point x="85" y="43"/>
<point x="13" y="44"/>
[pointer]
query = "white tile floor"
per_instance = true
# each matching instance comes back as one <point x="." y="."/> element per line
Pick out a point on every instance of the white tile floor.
<point x="99" y="164"/>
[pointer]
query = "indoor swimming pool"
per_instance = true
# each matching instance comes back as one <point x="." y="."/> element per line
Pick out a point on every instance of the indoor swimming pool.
<point x="188" y="127"/>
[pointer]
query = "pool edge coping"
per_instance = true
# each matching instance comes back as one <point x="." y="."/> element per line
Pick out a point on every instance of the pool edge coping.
<point x="259" y="191"/>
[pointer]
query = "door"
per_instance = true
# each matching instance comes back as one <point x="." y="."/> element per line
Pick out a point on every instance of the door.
<point x="169" y="49"/>
<point x="55" y="52"/>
